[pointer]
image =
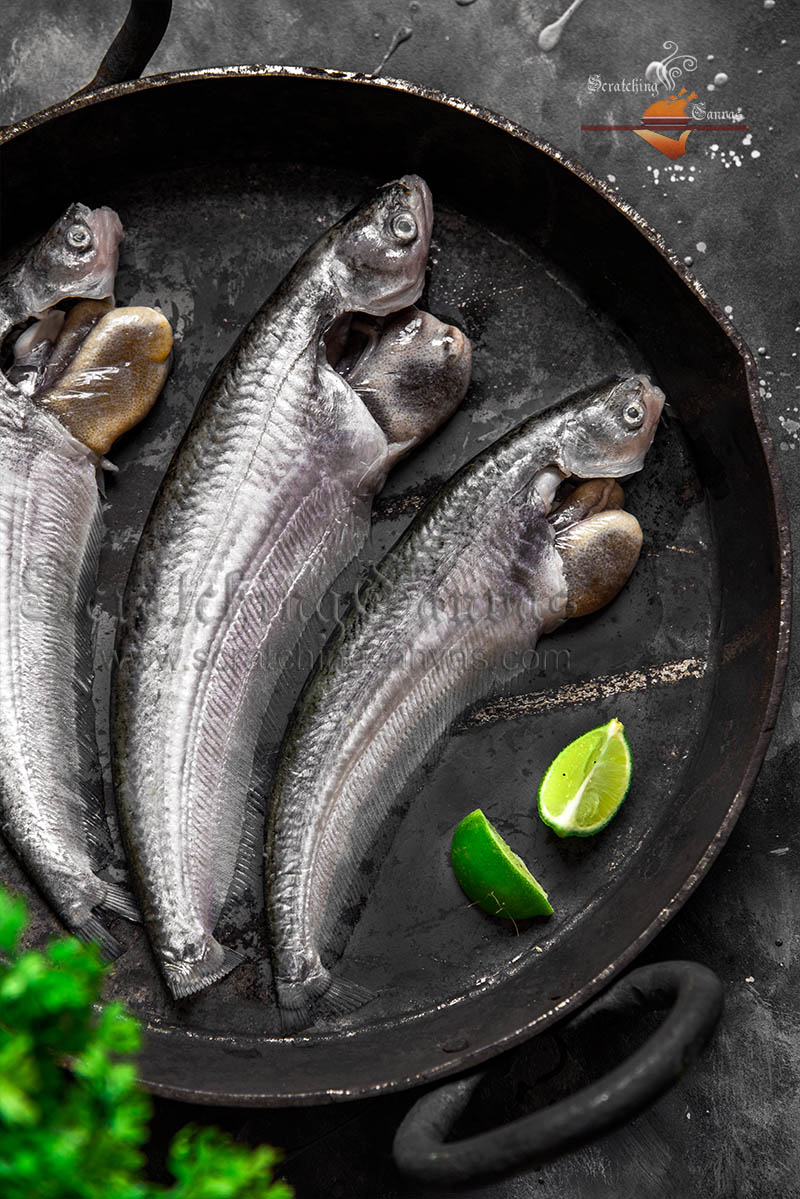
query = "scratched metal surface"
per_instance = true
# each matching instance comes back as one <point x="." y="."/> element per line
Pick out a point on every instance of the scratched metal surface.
<point x="727" y="1130"/>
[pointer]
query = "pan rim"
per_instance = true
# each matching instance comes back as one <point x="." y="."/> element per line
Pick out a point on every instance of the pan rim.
<point x="472" y="1056"/>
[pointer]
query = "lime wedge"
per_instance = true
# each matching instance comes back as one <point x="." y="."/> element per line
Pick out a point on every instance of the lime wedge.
<point x="586" y="784"/>
<point x="491" y="874"/>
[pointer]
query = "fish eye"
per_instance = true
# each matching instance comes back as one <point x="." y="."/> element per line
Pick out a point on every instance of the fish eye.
<point x="404" y="227"/>
<point x="79" y="237"/>
<point x="633" y="414"/>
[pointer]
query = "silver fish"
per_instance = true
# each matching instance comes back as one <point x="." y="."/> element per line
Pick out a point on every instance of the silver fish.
<point x="266" y="501"/>
<point x="50" y="533"/>
<point x="454" y="608"/>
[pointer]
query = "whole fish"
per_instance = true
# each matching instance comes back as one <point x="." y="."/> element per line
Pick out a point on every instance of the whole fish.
<point x="50" y="532"/>
<point x="455" y="606"/>
<point x="266" y="501"/>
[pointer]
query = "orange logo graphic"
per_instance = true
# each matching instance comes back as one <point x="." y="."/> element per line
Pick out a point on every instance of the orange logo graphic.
<point x="667" y="114"/>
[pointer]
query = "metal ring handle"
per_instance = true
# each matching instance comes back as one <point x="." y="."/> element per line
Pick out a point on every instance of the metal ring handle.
<point x="134" y="45"/>
<point x="694" y="994"/>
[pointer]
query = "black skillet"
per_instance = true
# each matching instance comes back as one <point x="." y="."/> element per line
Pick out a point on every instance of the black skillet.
<point x="222" y="177"/>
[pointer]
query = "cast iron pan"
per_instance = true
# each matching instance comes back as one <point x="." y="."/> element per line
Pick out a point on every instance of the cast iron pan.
<point x="222" y="177"/>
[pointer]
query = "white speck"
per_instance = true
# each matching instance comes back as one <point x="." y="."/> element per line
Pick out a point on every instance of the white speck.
<point x="755" y="153"/>
<point x="778" y="853"/>
<point x="688" y="1115"/>
<point x="747" y="139"/>
<point x="611" y="178"/>
<point x="783" y="41"/>
<point x="721" y="79"/>
<point x="749" y="979"/>
<point x="701" y="245"/>
<point x="710" y="58"/>
<point x="710" y="87"/>
<point x="759" y="71"/>
<point x="688" y="260"/>
<point x="769" y="3"/>
<point x="762" y="349"/>
<point x="728" y="309"/>
<point x="714" y="148"/>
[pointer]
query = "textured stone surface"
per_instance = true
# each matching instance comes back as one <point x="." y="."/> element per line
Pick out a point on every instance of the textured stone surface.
<point x="728" y="1130"/>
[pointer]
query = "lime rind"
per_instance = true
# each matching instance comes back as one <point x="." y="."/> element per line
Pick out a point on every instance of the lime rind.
<point x="491" y="875"/>
<point x="586" y="784"/>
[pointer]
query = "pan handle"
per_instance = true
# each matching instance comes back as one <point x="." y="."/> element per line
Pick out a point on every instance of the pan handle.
<point x="690" y="990"/>
<point x="134" y="45"/>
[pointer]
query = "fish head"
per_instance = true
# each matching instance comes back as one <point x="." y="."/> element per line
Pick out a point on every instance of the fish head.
<point x="608" y="433"/>
<point x="412" y="376"/>
<point x="77" y="257"/>
<point x="379" y="251"/>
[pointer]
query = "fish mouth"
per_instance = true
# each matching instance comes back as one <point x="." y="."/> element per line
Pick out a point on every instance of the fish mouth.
<point x="355" y="336"/>
<point x="576" y="500"/>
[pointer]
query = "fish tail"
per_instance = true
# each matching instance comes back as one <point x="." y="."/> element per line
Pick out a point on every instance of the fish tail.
<point x="343" y="995"/>
<point x="120" y="901"/>
<point x="187" y="978"/>
<point x="93" y="929"/>
<point x="332" y="996"/>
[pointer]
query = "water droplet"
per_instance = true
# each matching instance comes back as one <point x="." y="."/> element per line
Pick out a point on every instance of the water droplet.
<point x="701" y="245"/>
<point x="755" y="153"/>
<point x="728" y="310"/>
<point x="721" y="79"/>
<point x="401" y="35"/>
<point x="688" y="260"/>
<point x="550" y="36"/>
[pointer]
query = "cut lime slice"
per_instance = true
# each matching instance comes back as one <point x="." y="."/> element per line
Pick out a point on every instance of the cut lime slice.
<point x="491" y="874"/>
<point x="585" y="785"/>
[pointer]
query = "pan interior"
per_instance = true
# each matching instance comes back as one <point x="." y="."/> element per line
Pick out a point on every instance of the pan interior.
<point x="208" y="254"/>
<point x="556" y="291"/>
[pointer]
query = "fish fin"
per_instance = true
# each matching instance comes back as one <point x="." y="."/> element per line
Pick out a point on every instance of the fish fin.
<point x="187" y="978"/>
<point x="120" y="901"/>
<point x="93" y="817"/>
<point x="343" y="995"/>
<point x="332" y="996"/>
<point x="248" y="859"/>
<point x="92" y="929"/>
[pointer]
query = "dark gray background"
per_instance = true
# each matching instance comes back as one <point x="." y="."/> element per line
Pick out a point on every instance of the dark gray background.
<point x="728" y="1130"/>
